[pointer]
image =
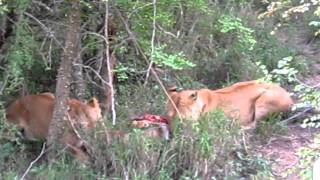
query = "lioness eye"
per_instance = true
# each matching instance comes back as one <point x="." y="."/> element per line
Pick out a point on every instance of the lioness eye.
<point x="193" y="96"/>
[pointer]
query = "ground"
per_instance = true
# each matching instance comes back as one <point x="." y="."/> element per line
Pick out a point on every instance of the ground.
<point x="282" y="149"/>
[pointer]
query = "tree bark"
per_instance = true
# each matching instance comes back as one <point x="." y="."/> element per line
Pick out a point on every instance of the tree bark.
<point x="59" y="118"/>
<point x="78" y="82"/>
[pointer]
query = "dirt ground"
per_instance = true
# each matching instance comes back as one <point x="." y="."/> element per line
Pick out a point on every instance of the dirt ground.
<point x="282" y="149"/>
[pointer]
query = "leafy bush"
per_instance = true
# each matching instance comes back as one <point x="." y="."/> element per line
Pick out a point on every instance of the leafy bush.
<point x="286" y="73"/>
<point x="245" y="39"/>
<point x="174" y="61"/>
<point x="210" y="148"/>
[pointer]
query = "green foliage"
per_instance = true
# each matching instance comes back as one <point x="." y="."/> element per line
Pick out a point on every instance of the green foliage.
<point x="309" y="97"/>
<point x="208" y="148"/>
<point x="307" y="157"/>
<point x="21" y="56"/>
<point x="232" y="25"/>
<point x="3" y="7"/>
<point x="63" y="169"/>
<point x="290" y="9"/>
<point x="270" y="126"/>
<point x="197" y="45"/>
<point x="120" y="71"/>
<point x="285" y="72"/>
<point x="174" y="61"/>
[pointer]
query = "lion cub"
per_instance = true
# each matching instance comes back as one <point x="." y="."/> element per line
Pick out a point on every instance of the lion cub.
<point x="33" y="113"/>
<point x="247" y="102"/>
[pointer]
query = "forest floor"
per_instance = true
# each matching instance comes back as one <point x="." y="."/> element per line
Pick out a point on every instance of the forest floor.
<point x="282" y="150"/>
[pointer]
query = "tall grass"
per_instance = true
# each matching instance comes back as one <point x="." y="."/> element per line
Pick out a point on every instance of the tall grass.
<point x="211" y="148"/>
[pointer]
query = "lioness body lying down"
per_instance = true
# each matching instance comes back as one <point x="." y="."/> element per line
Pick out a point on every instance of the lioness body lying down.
<point x="33" y="114"/>
<point x="245" y="101"/>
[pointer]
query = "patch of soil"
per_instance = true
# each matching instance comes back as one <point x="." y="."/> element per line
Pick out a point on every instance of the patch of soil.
<point x="282" y="149"/>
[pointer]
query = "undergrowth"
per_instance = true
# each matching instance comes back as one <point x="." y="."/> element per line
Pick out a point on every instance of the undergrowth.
<point x="211" y="148"/>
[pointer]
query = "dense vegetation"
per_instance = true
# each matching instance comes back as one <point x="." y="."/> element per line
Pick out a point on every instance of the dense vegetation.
<point x="148" y="46"/>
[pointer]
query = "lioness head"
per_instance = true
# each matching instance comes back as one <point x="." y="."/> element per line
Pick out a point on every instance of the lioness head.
<point x="186" y="103"/>
<point x="94" y="110"/>
<point x="87" y="114"/>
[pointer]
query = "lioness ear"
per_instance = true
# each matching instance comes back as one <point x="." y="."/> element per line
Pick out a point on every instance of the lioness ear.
<point x="93" y="102"/>
<point x="194" y="96"/>
<point x="172" y="88"/>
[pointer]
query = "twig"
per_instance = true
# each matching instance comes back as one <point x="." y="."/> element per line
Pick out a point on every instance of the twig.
<point x="304" y="84"/>
<point x="45" y="28"/>
<point x="288" y="120"/>
<point x="167" y="32"/>
<point x="34" y="161"/>
<point x="136" y="44"/>
<point x="93" y="82"/>
<point x="95" y="72"/>
<point x="82" y="141"/>
<point x="137" y="9"/>
<point x="110" y="78"/>
<point x="152" y="41"/>
<point x="43" y="5"/>
<point x="4" y="84"/>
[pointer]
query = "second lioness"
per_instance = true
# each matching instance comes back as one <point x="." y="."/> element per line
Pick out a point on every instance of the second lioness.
<point x="33" y="113"/>
<point x="247" y="101"/>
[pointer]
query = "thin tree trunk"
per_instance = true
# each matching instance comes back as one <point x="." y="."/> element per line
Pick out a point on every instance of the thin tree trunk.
<point x="110" y="66"/>
<point x="57" y="126"/>
<point x="107" y="100"/>
<point x="78" y="82"/>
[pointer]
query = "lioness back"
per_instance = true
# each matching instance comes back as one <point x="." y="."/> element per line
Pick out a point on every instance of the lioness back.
<point x="33" y="113"/>
<point x="246" y="101"/>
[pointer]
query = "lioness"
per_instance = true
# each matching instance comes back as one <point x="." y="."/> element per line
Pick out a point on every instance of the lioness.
<point x="245" y="101"/>
<point x="33" y="115"/>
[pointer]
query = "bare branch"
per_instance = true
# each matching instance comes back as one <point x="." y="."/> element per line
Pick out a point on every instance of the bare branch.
<point x="94" y="71"/>
<point x="152" y="40"/>
<point x="43" y="5"/>
<point x="45" y="28"/>
<point x="137" y="9"/>
<point x="34" y="161"/>
<point x="110" y="78"/>
<point x="93" y="82"/>
<point x="167" y="32"/>
<point x="288" y="120"/>
<point x="136" y="44"/>
<point x="6" y="78"/>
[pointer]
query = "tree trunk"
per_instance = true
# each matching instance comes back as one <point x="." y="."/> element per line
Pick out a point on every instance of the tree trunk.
<point x="78" y="82"/>
<point x="59" y="118"/>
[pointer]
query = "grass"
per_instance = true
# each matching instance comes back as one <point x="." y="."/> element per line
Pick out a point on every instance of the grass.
<point x="211" y="148"/>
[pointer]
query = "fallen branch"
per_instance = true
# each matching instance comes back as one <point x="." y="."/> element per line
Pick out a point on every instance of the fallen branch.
<point x="34" y="161"/>
<point x="290" y="119"/>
